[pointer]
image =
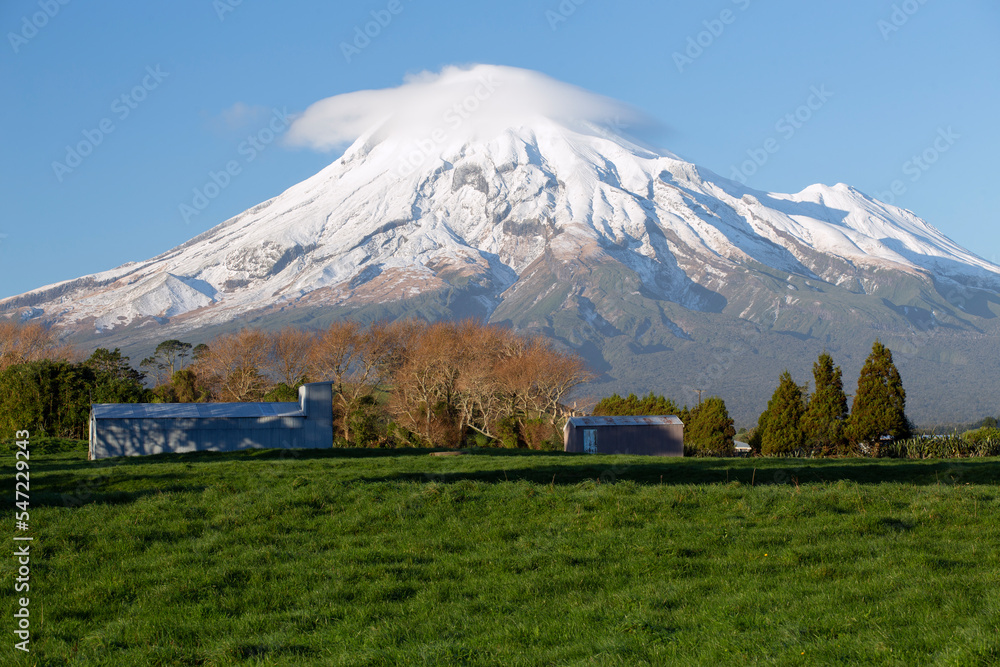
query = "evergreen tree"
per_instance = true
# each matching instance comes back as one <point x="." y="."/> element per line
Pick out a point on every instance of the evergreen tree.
<point x="709" y="430"/>
<point x="633" y="406"/>
<point x="757" y="434"/>
<point x="824" y="420"/>
<point x="167" y="359"/>
<point x="879" y="408"/>
<point x="116" y="381"/>
<point x="54" y="397"/>
<point x="281" y="393"/>
<point x="684" y="414"/>
<point x="47" y="398"/>
<point x="184" y="387"/>
<point x="783" y="431"/>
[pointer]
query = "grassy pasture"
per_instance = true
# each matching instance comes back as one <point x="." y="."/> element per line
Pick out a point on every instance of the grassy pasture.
<point x="359" y="557"/>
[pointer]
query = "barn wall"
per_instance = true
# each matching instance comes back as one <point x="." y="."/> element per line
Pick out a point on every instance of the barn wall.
<point x="647" y="440"/>
<point x="139" y="437"/>
<point x="143" y="436"/>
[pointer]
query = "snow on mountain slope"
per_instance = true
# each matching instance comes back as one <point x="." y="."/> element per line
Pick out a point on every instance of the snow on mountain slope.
<point x="473" y="176"/>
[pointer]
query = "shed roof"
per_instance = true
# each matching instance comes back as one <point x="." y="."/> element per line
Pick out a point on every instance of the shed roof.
<point x="195" y="410"/>
<point x="651" y="420"/>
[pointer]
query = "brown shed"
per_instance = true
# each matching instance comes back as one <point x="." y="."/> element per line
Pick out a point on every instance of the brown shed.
<point x="657" y="435"/>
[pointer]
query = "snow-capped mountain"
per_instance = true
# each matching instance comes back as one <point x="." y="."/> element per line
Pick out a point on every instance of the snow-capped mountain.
<point x="469" y="201"/>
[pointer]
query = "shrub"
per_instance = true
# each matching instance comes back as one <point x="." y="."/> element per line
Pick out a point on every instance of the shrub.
<point x="981" y="434"/>
<point x="282" y="393"/>
<point x="541" y="434"/>
<point x="940" y="447"/>
<point x="367" y="427"/>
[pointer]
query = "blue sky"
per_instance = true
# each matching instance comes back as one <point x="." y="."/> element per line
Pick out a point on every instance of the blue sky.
<point x="163" y="95"/>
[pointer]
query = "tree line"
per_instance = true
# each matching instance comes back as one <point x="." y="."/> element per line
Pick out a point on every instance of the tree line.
<point x="444" y="383"/>
<point x="799" y="423"/>
<point x="53" y="396"/>
<point x="452" y="384"/>
<point x="396" y="383"/>
<point x="820" y="424"/>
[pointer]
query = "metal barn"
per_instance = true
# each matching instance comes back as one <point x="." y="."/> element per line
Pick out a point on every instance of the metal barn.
<point x="650" y="436"/>
<point x="138" y="429"/>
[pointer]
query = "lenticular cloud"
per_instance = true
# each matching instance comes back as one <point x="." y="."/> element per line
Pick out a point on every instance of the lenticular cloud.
<point x="477" y="101"/>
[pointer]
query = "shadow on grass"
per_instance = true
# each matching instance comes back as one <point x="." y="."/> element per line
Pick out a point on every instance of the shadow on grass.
<point x="62" y="470"/>
<point x="74" y="460"/>
<point x="755" y="472"/>
<point x="77" y="495"/>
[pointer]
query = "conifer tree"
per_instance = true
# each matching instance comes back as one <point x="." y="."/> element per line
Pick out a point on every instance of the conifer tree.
<point x="879" y="408"/>
<point x="632" y="405"/>
<point x="757" y="435"/>
<point x="116" y="381"/>
<point x="783" y="430"/>
<point x="824" y="421"/>
<point x="167" y="359"/>
<point x="709" y="429"/>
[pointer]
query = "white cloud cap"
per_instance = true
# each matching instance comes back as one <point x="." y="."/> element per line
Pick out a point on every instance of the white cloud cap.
<point x="474" y="103"/>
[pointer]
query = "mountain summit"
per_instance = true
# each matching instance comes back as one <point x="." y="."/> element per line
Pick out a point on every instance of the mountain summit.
<point x="501" y="194"/>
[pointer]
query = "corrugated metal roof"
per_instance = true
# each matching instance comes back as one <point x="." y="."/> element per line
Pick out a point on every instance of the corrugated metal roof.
<point x="195" y="410"/>
<point x="652" y="420"/>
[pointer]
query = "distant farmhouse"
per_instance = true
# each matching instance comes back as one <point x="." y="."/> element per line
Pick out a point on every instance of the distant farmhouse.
<point x="650" y="436"/>
<point x="137" y="429"/>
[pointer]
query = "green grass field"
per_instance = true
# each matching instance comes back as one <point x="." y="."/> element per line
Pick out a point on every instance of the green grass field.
<point x="348" y="557"/>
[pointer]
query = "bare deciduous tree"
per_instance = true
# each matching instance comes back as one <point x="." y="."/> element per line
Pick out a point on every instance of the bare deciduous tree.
<point x="456" y="377"/>
<point x="444" y="379"/>
<point x="291" y="353"/>
<point x="20" y="343"/>
<point x="425" y="383"/>
<point x="557" y="374"/>
<point x="234" y="366"/>
<point x="357" y="360"/>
